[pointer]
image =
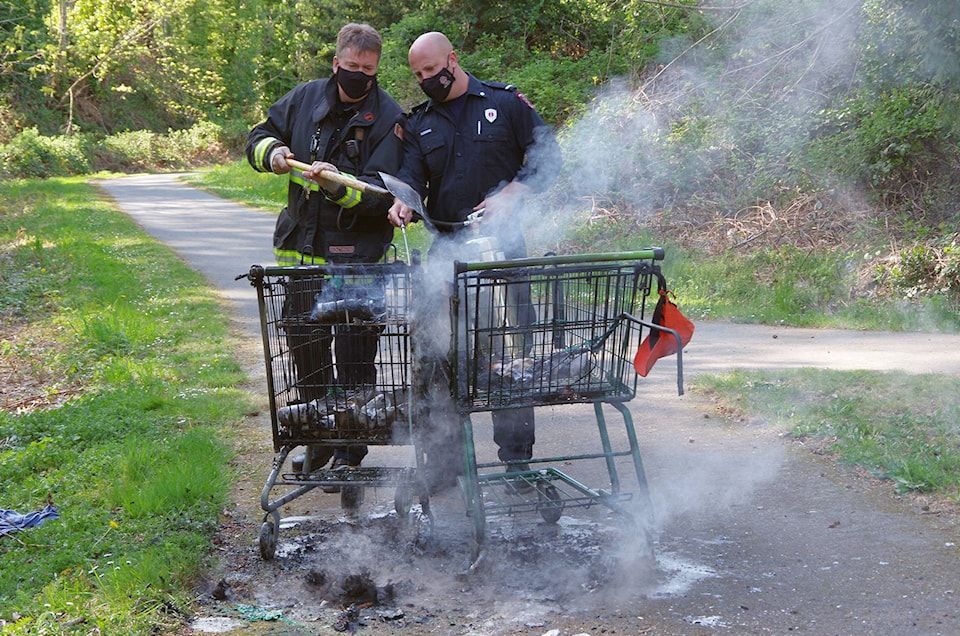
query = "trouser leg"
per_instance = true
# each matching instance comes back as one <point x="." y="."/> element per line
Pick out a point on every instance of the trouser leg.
<point x="513" y="432"/>
<point x="309" y="343"/>
<point x="356" y="351"/>
<point x="514" y="429"/>
<point x="309" y="346"/>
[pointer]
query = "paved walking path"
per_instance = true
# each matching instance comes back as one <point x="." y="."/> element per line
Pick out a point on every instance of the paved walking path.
<point x="757" y="534"/>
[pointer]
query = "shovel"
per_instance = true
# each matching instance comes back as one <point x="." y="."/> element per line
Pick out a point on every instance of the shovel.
<point x="395" y="187"/>
<point x="343" y="179"/>
<point x="407" y="196"/>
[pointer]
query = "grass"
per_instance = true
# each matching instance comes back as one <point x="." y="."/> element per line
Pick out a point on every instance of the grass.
<point x="803" y="288"/>
<point x="239" y="182"/>
<point x="136" y="461"/>
<point x="905" y="428"/>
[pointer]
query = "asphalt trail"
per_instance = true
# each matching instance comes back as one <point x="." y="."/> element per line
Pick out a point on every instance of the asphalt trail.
<point x="756" y="534"/>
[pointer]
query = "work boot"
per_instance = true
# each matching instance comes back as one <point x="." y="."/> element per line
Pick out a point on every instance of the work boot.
<point x="518" y="485"/>
<point x="319" y="456"/>
<point x="339" y="463"/>
<point x="440" y="479"/>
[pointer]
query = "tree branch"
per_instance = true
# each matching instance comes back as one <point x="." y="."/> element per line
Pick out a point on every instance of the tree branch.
<point x="692" y="7"/>
<point x="128" y="38"/>
<point x="688" y="49"/>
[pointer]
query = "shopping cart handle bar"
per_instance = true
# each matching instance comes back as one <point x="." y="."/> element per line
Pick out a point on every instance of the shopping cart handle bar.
<point x="650" y="253"/>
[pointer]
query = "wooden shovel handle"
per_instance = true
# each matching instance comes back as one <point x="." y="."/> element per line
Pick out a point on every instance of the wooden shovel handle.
<point x="342" y="179"/>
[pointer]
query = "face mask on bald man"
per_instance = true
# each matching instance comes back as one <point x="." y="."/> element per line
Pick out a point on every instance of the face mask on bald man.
<point x="438" y="87"/>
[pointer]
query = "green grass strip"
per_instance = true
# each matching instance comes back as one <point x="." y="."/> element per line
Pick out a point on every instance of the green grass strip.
<point x="239" y="182"/>
<point x="778" y="286"/>
<point x="136" y="461"/>
<point x="900" y="427"/>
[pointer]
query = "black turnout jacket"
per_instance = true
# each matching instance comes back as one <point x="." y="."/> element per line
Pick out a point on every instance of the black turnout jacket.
<point x="344" y="225"/>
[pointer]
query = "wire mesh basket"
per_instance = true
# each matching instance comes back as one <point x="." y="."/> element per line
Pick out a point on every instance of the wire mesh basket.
<point x="336" y="343"/>
<point x="535" y="332"/>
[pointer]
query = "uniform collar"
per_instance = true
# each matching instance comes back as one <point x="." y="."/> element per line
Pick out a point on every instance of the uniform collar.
<point x="366" y="115"/>
<point x="474" y="87"/>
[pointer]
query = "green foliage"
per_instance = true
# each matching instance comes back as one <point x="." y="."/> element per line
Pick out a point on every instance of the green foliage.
<point x="901" y="427"/>
<point x="31" y="154"/>
<point x="926" y="270"/>
<point x="135" y="460"/>
<point x="34" y="155"/>
<point x="900" y="143"/>
<point x="157" y="65"/>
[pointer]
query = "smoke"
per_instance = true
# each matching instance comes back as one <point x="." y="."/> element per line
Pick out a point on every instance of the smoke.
<point x="744" y="96"/>
<point x="730" y="113"/>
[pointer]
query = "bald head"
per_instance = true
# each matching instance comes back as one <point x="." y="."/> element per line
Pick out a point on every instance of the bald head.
<point x="430" y="44"/>
<point x="430" y="55"/>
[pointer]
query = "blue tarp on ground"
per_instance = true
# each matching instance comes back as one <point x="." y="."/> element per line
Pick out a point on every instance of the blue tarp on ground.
<point x="11" y="521"/>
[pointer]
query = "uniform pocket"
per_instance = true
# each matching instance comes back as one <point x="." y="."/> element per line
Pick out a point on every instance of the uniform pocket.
<point x="286" y="225"/>
<point x="434" y="152"/>
<point x="352" y="247"/>
<point x="495" y="149"/>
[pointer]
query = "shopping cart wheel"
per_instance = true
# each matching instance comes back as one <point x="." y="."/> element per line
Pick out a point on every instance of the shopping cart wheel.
<point x="351" y="497"/>
<point x="268" y="540"/>
<point x="402" y="501"/>
<point x="549" y="503"/>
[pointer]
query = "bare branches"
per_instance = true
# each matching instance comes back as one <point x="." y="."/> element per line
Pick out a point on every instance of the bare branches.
<point x="128" y="38"/>
<point x="693" y="7"/>
<point x="727" y="22"/>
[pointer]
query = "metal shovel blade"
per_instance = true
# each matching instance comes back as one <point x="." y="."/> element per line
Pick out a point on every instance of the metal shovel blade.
<point x="407" y="195"/>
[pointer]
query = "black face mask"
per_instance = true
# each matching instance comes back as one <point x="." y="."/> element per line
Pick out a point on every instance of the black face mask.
<point x="355" y="84"/>
<point x="438" y="87"/>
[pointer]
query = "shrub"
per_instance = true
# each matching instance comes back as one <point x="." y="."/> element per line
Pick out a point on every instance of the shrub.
<point x="927" y="269"/>
<point x="131" y="149"/>
<point x="198" y="144"/>
<point x="31" y="154"/>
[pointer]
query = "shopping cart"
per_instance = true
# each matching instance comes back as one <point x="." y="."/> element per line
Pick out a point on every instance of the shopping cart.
<point x="336" y="343"/>
<point x="545" y="331"/>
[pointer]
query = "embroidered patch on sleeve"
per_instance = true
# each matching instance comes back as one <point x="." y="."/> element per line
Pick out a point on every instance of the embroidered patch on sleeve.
<point x="523" y="98"/>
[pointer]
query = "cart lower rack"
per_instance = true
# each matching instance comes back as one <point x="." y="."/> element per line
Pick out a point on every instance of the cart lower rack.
<point x="544" y="331"/>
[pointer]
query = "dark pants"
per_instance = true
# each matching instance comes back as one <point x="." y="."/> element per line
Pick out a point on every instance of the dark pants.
<point x="310" y="348"/>
<point x="513" y="429"/>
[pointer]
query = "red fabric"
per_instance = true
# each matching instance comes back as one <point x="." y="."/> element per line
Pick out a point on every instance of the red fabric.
<point x="658" y="344"/>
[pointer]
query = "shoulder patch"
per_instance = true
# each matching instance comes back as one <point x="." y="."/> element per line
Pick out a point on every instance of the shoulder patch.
<point x="398" y="131"/>
<point x="523" y="98"/>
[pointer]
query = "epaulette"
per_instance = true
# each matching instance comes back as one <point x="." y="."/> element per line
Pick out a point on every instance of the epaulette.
<point x="500" y="85"/>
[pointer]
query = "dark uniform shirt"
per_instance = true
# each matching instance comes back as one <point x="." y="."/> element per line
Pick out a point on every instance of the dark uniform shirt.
<point x="457" y="157"/>
<point x="359" y="139"/>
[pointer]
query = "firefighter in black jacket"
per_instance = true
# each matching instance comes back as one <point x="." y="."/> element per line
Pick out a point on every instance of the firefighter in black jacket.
<point x="342" y="124"/>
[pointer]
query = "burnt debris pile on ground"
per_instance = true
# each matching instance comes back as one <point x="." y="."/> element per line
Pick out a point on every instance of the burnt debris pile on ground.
<point x="348" y="588"/>
<point x="378" y="562"/>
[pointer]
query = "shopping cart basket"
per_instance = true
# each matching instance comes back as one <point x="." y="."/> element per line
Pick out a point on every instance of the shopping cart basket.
<point x="544" y="331"/>
<point x="336" y="343"/>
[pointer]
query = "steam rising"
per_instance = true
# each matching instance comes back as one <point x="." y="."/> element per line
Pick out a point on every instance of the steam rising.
<point x="731" y="109"/>
<point x="762" y="73"/>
